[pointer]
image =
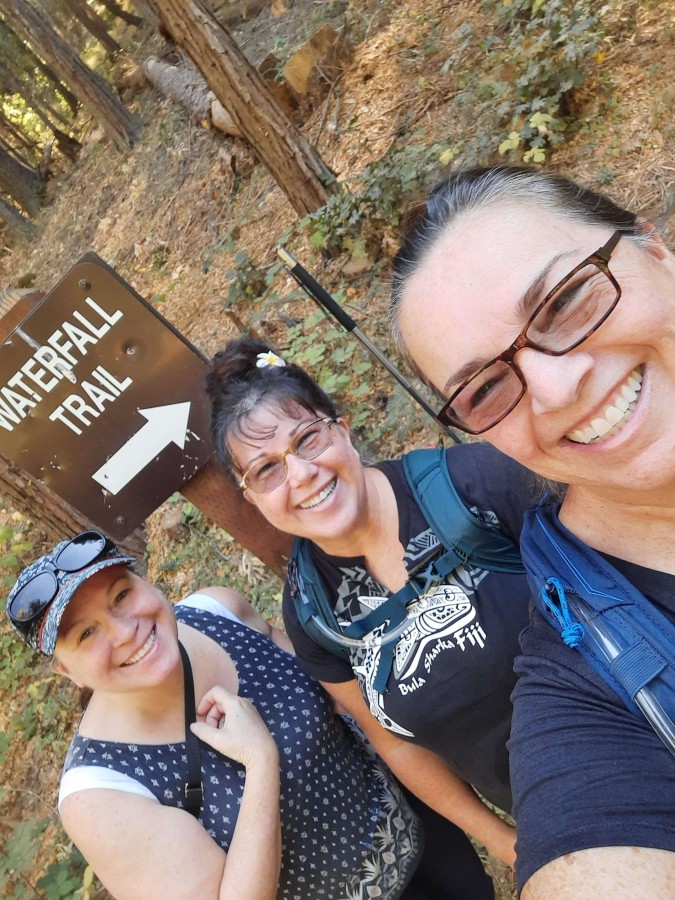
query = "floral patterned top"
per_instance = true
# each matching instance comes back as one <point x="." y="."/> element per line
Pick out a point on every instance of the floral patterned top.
<point x="346" y="830"/>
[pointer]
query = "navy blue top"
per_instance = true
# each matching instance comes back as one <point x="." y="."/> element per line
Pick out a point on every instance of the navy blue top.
<point x="345" y="826"/>
<point x="450" y="686"/>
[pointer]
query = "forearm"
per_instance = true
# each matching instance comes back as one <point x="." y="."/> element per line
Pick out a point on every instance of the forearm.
<point x="254" y="857"/>
<point x="429" y="778"/>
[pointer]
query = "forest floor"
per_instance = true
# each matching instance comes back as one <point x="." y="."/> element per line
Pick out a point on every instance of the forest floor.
<point x="191" y="221"/>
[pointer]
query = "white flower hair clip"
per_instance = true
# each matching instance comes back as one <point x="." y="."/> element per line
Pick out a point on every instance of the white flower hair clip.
<point x="269" y="358"/>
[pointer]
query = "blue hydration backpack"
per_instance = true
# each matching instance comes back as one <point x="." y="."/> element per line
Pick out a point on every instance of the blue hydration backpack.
<point x="465" y="538"/>
<point x="595" y="609"/>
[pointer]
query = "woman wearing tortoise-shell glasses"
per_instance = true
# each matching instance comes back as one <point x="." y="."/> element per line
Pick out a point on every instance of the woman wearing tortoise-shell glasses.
<point x="583" y="395"/>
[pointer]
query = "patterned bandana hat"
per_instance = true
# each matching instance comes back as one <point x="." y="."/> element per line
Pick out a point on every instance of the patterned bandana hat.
<point x="42" y="633"/>
<point x="269" y="358"/>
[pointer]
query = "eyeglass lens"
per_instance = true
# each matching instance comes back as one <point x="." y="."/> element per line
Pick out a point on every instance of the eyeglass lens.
<point x="570" y="314"/>
<point x="307" y="444"/>
<point x="39" y="592"/>
<point x="80" y="551"/>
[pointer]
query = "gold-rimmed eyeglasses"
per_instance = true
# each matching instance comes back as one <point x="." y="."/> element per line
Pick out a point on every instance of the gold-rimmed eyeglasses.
<point x="268" y="473"/>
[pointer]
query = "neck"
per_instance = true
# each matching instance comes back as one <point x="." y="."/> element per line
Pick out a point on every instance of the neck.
<point x="640" y="532"/>
<point x="377" y="526"/>
<point x="144" y="716"/>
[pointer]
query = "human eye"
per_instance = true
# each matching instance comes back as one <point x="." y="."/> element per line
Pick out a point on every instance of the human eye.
<point x="84" y="634"/>
<point x="309" y="437"/>
<point x="120" y="596"/>
<point x="484" y="389"/>
<point x="265" y="471"/>
<point x="574" y="304"/>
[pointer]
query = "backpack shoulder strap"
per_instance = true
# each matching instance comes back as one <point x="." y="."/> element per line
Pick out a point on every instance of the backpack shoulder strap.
<point x="618" y="630"/>
<point x="464" y="536"/>
<point x="310" y="599"/>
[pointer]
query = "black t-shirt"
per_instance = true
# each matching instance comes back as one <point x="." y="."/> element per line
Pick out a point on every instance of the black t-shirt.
<point x="450" y="686"/>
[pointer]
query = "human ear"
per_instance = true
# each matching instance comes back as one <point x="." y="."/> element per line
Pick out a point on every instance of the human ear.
<point x="61" y="669"/>
<point x="656" y="245"/>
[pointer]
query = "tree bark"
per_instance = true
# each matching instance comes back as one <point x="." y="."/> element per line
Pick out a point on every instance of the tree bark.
<point x="15" y="220"/>
<point x="295" y="165"/>
<point x="121" y="13"/>
<point x="185" y="85"/>
<point x="90" y="88"/>
<point x="94" y="24"/>
<point x="13" y="151"/>
<point x="22" y="183"/>
<point x="10" y="128"/>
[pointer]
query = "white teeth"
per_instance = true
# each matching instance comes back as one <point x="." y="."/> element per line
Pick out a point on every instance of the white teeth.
<point x="615" y="416"/>
<point x="138" y="656"/>
<point x="320" y="497"/>
<point x="601" y="426"/>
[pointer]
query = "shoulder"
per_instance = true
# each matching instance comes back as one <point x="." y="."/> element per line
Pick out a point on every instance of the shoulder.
<point x="479" y="471"/>
<point x="227" y="601"/>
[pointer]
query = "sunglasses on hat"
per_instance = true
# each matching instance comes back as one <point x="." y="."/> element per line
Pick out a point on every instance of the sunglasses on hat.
<point x="35" y="596"/>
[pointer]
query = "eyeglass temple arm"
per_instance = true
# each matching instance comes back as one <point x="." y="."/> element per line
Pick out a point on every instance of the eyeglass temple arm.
<point x="314" y="290"/>
<point x="606" y="251"/>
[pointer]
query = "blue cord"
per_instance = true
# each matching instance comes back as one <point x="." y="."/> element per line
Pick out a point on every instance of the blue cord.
<point x="571" y="632"/>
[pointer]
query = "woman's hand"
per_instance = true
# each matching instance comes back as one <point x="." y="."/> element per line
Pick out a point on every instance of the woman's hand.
<point x="232" y="726"/>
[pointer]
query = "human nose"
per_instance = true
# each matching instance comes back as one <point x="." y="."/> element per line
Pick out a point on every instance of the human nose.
<point x="121" y="628"/>
<point x="298" y="470"/>
<point x="553" y="382"/>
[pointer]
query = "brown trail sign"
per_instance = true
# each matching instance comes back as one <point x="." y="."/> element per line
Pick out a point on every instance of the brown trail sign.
<point x="101" y="400"/>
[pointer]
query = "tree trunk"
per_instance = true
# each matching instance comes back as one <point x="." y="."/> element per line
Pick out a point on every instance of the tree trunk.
<point x="13" y="151"/>
<point x="58" y="85"/>
<point x="25" y="90"/>
<point x="22" y="183"/>
<point x="121" y="13"/>
<point x="15" y="220"/>
<point x="10" y="128"/>
<point x="94" y="24"/>
<point x="185" y="85"/>
<point x="293" y="162"/>
<point x="91" y="89"/>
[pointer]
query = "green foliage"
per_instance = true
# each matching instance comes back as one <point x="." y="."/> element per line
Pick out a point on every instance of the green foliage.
<point x="18" y="856"/>
<point x="247" y="279"/>
<point x="356" y="217"/>
<point x="548" y="48"/>
<point x="67" y="879"/>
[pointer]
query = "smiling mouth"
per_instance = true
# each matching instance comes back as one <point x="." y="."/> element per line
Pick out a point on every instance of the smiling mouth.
<point x="145" y="649"/>
<point x="616" y="415"/>
<point x="320" y="497"/>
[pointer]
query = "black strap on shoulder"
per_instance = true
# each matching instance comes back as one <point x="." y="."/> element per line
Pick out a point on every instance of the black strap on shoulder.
<point x="194" y="789"/>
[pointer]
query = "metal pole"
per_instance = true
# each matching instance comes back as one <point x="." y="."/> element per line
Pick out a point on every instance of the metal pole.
<point x="312" y="287"/>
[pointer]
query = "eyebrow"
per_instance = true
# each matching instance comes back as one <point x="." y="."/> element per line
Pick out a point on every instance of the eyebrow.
<point x="112" y="587"/>
<point x="291" y="435"/>
<point x="524" y="308"/>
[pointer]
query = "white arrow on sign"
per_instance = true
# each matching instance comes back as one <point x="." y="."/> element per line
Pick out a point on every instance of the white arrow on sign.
<point x="166" y="424"/>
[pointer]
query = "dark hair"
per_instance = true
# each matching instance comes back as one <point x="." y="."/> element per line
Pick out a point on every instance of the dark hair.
<point x="476" y="189"/>
<point x="236" y="386"/>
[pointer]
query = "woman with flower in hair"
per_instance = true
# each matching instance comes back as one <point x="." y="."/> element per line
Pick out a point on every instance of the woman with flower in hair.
<point x="430" y="682"/>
